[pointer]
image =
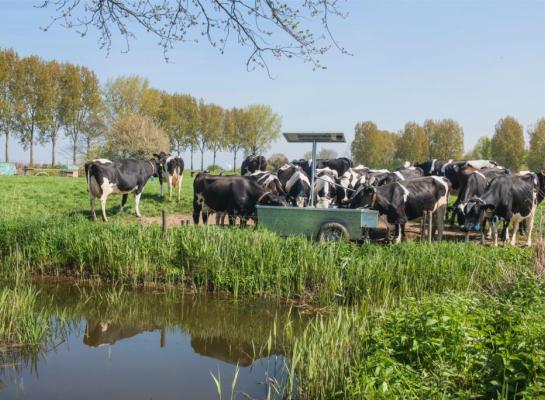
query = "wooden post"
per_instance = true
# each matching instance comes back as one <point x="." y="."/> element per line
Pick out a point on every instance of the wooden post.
<point x="164" y="223"/>
<point x="423" y="226"/>
<point x="163" y="338"/>
<point x="430" y="226"/>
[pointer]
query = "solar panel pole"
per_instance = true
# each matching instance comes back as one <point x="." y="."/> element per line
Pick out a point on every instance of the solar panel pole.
<point x="313" y="172"/>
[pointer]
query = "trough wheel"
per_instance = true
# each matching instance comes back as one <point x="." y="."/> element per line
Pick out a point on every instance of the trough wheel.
<point x="333" y="232"/>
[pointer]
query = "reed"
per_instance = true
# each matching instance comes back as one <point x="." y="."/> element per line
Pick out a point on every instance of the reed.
<point x="252" y="263"/>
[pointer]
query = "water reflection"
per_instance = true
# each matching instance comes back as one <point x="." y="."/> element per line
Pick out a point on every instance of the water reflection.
<point x="113" y="343"/>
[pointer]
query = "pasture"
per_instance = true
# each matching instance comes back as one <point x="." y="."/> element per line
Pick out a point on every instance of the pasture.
<point x="415" y="320"/>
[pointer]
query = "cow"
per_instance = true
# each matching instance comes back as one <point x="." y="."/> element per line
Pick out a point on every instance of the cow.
<point x="171" y="168"/>
<point x="475" y="185"/>
<point x="105" y="177"/>
<point x="253" y="163"/>
<point x="325" y="187"/>
<point x="341" y="164"/>
<point x="511" y="198"/>
<point x="402" y="201"/>
<point x="296" y="184"/>
<point x="402" y="174"/>
<point x="348" y="182"/>
<point x="235" y="195"/>
<point x="269" y="181"/>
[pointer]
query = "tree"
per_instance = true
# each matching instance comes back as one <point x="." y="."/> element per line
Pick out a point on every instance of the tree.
<point x="236" y="136"/>
<point x="276" y="160"/>
<point x="323" y="154"/>
<point x="8" y="95"/>
<point x="80" y="99"/>
<point x="267" y="28"/>
<point x="32" y="83"/>
<point x="130" y="95"/>
<point x="216" y="140"/>
<point x="374" y="147"/>
<point x="536" y="152"/>
<point x="508" y="143"/>
<point x="482" y="149"/>
<point x="263" y="128"/>
<point x="52" y="117"/>
<point x="413" y="143"/>
<point x="138" y="136"/>
<point x="93" y="129"/>
<point x="202" y="132"/>
<point x="446" y="139"/>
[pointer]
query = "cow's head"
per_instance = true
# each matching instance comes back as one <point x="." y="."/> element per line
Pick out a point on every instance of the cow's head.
<point x="271" y="199"/>
<point x="365" y="197"/>
<point x="474" y="213"/>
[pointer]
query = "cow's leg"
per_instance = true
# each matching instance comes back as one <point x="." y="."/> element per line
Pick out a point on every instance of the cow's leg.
<point x="505" y="232"/>
<point x="484" y="229"/>
<point x="103" y="207"/>
<point x="243" y="222"/>
<point x="530" y="226"/>
<point x="161" y="186"/>
<point x="495" y="230"/>
<point x="92" y="200"/>
<point x="516" y="224"/>
<point x="197" y="207"/>
<point x="399" y="234"/>
<point x="180" y="180"/>
<point x="232" y="219"/>
<point x="384" y="218"/>
<point x="137" y="202"/>
<point x="123" y="201"/>
<point x="169" y="187"/>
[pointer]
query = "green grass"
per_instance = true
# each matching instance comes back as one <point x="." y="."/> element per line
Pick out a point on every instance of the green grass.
<point x="249" y="262"/>
<point x="21" y="323"/>
<point x="37" y="196"/>
<point x="479" y="344"/>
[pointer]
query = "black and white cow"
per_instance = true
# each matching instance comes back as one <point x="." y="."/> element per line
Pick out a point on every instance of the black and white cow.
<point x="406" y="200"/>
<point x="475" y="185"/>
<point x="348" y="182"/>
<point x="235" y="195"/>
<point x="296" y="184"/>
<point x="341" y="164"/>
<point x="325" y="187"/>
<point x="171" y="170"/>
<point x="268" y="181"/>
<point x="510" y="198"/>
<point x="253" y="163"/>
<point x="105" y="177"/>
<point x="402" y="174"/>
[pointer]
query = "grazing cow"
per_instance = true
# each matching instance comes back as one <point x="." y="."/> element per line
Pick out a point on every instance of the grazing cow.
<point x="235" y="195"/>
<point x="348" y="182"/>
<point x="402" y="174"/>
<point x="325" y="191"/>
<point x="105" y="177"/>
<point x="475" y="185"/>
<point x="172" y="168"/>
<point x="511" y="198"/>
<point x="296" y="184"/>
<point x="406" y="200"/>
<point x="341" y="164"/>
<point x="269" y="181"/>
<point x="376" y="177"/>
<point x="253" y="163"/>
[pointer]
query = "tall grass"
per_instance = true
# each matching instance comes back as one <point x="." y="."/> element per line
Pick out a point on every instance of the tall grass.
<point x="21" y="323"/>
<point x="457" y="345"/>
<point x="248" y="262"/>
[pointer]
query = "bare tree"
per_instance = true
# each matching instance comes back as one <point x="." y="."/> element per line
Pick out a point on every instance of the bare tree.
<point x="280" y="28"/>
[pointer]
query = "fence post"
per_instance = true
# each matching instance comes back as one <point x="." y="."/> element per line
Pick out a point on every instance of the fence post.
<point x="430" y="225"/>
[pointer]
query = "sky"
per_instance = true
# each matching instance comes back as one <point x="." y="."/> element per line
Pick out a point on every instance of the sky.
<point x="473" y="61"/>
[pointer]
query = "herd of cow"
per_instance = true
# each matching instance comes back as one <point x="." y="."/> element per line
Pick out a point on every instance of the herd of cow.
<point x="487" y="193"/>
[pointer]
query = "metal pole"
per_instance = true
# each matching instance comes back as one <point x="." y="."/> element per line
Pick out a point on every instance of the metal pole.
<point x="313" y="172"/>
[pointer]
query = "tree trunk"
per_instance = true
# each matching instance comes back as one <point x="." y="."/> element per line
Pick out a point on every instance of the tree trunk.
<point x="234" y="160"/>
<point x="191" y="157"/>
<point x="88" y="146"/>
<point x="31" y="147"/>
<point x="214" y="158"/>
<point x="53" y="146"/>
<point x="6" y="148"/>
<point x="74" y="147"/>
<point x="202" y="159"/>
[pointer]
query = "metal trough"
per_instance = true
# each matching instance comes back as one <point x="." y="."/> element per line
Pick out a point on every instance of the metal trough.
<point x="318" y="223"/>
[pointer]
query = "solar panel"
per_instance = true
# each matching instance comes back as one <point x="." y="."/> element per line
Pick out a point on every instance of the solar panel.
<point x="319" y="137"/>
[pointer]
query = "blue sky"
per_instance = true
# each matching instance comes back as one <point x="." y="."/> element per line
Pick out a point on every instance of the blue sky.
<point x="474" y="61"/>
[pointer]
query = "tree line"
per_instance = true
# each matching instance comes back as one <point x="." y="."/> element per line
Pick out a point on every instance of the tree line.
<point x="444" y="139"/>
<point x="40" y="100"/>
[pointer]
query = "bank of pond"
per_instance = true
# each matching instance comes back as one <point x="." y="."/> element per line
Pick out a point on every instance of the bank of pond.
<point x="225" y="313"/>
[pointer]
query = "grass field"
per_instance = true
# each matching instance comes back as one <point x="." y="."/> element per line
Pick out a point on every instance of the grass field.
<point x="35" y="196"/>
<point x="403" y="321"/>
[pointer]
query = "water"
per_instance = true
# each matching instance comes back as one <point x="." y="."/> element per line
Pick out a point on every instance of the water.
<point x="118" y="344"/>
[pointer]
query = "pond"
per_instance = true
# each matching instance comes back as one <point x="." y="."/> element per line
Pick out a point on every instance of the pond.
<point x="113" y="343"/>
